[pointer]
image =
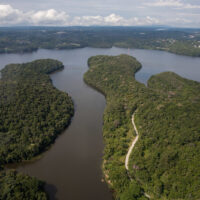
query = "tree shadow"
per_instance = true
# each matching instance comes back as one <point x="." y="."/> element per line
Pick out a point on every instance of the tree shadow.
<point x="51" y="190"/>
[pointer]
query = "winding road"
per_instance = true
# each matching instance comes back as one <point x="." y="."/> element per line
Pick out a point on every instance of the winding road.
<point x="131" y="148"/>
<point x="133" y="143"/>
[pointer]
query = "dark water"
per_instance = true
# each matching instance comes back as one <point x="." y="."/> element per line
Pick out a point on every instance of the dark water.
<point x="72" y="166"/>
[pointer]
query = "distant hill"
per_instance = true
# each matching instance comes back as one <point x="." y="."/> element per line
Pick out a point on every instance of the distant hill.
<point x="182" y="41"/>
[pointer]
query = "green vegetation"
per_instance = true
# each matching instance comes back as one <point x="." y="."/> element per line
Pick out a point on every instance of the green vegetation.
<point x="165" y="162"/>
<point x="176" y="40"/>
<point x="15" y="186"/>
<point x="114" y="76"/>
<point x="32" y="114"/>
<point x="32" y="111"/>
<point x="185" y="48"/>
<point x="167" y="153"/>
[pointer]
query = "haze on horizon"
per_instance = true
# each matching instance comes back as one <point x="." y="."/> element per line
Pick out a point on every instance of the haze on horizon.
<point x="179" y="13"/>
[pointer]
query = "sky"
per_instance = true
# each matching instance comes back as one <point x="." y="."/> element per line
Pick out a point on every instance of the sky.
<point x="176" y="13"/>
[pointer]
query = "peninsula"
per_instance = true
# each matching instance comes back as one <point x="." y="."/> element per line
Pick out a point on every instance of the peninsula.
<point x="164" y="162"/>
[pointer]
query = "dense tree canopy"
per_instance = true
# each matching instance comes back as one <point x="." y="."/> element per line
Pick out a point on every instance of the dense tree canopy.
<point x="165" y="161"/>
<point x="32" y="114"/>
<point x="15" y="186"/>
<point x="32" y="111"/>
<point x="167" y="153"/>
<point x="114" y="76"/>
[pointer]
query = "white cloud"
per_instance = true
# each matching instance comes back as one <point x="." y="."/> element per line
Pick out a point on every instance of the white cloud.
<point x="171" y="3"/>
<point x="6" y="10"/>
<point x="114" y="19"/>
<point x="152" y="20"/>
<point x="190" y="6"/>
<point x="87" y="20"/>
<point x="10" y="16"/>
<point x="48" y="17"/>
<point x="163" y="3"/>
<point x="111" y="19"/>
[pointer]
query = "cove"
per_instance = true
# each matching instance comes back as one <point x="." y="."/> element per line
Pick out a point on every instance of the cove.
<point x="72" y="166"/>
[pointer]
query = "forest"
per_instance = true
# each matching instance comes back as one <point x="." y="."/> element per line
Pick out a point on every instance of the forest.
<point x="167" y="154"/>
<point x="114" y="77"/>
<point x="32" y="113"/>
<point x="16" y="186"/>
<point x="164" y="163"/>
<point x="176" y="40"/>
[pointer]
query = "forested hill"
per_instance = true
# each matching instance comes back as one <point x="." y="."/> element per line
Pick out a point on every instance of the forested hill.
<point x="32" y="111"/>
<point x="165" y="161"/>
<point x="175" y="40"/>
<point x="114" y="76"/>
<point x="32" y="114"/>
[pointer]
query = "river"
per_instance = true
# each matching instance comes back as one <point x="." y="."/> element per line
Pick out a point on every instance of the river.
<point x="72" y="166"/>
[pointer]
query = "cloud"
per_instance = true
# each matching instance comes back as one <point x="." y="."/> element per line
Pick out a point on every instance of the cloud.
<point x="113" y="20"/>
<point x="163" y="3"/>
<point x="11" y="16"/>
<point x="48" y="17"/>
<point x="87" y="20"/>
<point x="171" y="3"/>
<point x="51" y="17"/>
<point x="152" y="20"/>
<point x="190" y="6"/>
<point x="6" y="10"/>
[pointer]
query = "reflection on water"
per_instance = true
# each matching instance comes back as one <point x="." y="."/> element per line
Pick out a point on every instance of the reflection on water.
<point x="72" y="166"/>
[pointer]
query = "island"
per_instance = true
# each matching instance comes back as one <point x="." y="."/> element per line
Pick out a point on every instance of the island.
<point x="32" y="114"/>
<point x="162" y="119"/>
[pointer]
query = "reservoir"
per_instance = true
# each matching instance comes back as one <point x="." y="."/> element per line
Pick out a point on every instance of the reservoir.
<point x="72" y="165"/>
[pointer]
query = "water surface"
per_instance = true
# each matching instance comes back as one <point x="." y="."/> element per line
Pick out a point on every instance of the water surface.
<point x="72" y="166"/>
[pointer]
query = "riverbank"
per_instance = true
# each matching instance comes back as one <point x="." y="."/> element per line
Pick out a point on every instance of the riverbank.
<point x="174" y="40"/>
<point x="82" y="141"/>
<point x="33" y="113"/>
<point x="166" y="102"/>
<point x="106" y="74"/>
